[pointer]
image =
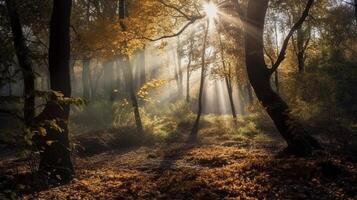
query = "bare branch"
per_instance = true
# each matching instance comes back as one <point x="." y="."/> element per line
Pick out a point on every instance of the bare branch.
<point x="307" y="43"/>
<point x="191" y="21"/>
<point x="269" y="56"/>
<point x="175" y="8"/>
<point x="296" y="26"/>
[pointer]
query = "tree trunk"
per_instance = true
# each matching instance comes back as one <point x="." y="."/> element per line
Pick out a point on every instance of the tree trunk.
<point x="86" y="79"/>
<point x="242" y="99"/>
<point x="180" y="75"/>
<point x="23" y="56"/>
<point x="72" y="63"/>
<point x="276" y="80"/>
<point x="130" y="87"/>
<point x="300" y="50"/>
<point x="230" y="95"/>
<point x="250" y="93"/>
<point x="141" y="68"/>
<point x="9" y="83"/>
<point x="194" y="130"/>
<point x="188" y="72"/>
<point x="188" y="78"/>
<point x="128" y="72"/>
<point x="93" y="82"/>
<point x="176" y="74"/>
<point x="228" y="81"/>
<point x="55" y="159"/>
<point x="298" y="141"/>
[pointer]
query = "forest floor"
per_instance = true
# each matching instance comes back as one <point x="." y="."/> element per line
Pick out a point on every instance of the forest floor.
<point x="217" y="166"/>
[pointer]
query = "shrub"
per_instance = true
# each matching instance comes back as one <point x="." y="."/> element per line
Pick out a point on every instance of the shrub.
<point x="95" y="115"/>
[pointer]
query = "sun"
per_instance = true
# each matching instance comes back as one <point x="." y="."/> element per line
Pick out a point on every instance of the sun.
<point x="211" y="10"/>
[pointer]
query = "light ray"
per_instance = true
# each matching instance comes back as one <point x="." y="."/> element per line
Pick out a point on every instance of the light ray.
<point x="211" y="10"/>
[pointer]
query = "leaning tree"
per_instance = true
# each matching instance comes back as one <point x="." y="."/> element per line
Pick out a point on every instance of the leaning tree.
<point x="298" y="140"/>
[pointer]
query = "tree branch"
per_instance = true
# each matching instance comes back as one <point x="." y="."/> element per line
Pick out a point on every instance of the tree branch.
<point x="175" y="8"/>
<point x="191" y="21"/>
<point x="269" y="56"/>
<point x="296" y="26"/>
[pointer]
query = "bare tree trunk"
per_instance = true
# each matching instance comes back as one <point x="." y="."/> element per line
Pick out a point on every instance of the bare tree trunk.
<point x="195" y="127"/>
<point x="86" y="79"/>
<point x="93" y="82"/>
<point x="300" y="50"/>
<point x="55" y="159"/>
<point x="72" y="62"/>
<point x="299" y="142"/>
<point x="128" y="72"/>
<point x="9" y="83"/>
<point x="188" y="72"/>
<point x="23" y="56"/>
<point x="242" y="100"/>
<point x="188" y="78"/>
<point x="276" y="81"/>
<point x="180" y="75"/>
<point x="176" y="74"/>
<point x="141" y="67"/>
<point x="250" y="93"/>
<point x="276" y="74"/>
<point x="230" y="95"/>
<point x="228" y="81"/>
<point x="132" y="94"/>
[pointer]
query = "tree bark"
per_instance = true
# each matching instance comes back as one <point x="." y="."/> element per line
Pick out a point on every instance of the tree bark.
<point x="72" y="63"/>
<point x="86" y="79"/>
<point x="128" y="72"/>
<point x="141" y="68"/>
<point x="188" y="76"/>
<point x="180" y="75"/>
<point x="176" y="74"/>
<point x="188" y="68"/>
<point x="299" y="142"/>
<point x="130" y="87"/>
<point x="23" y="56"/>
<point x="230" y="95"/>
<point x="250" y="93"/>
<point x="9" y="84"/>
<point x="300" y="50"/>
<point x="276" y="80"/>
<point x="195" y="127"/>
<point x="55" y="159"/>
<point x="228" y="81"/>
<point x="242" y="99"/>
